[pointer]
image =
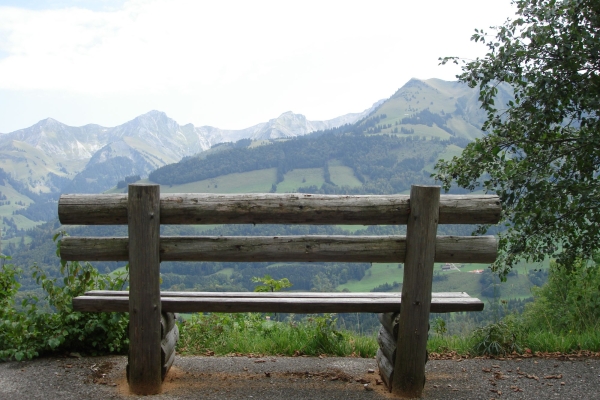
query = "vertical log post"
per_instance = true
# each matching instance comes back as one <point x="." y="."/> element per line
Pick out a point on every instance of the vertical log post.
<point x="144" y="289"/>
<point x="409" y="367"/>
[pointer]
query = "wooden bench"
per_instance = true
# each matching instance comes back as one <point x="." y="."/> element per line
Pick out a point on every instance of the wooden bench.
<point x="143" y="209"/>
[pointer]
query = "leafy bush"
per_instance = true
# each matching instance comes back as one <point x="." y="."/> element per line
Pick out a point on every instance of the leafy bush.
<point x="568" y="302"/>
<point x="50" y="324"/>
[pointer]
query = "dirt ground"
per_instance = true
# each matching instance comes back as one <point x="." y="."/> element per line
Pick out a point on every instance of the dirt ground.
<point x="301" y="378"/>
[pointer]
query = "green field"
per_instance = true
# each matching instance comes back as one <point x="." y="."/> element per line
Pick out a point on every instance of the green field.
<point x="7" y="210"/>
<point x="378" y="274"/>
<point x="296" y="178"/>
<point x="463" y="280"/>
<point x="343" y="176"/>
<point x="261" y="181"/>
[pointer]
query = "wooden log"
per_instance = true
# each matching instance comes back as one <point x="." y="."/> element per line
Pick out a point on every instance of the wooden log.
<point x="386" y="369"/>
<point x="275" y="208"/>
<point x="167" y="366"/>
<point x="287" y="294"/>
<point x="387" y="344"/>
<point x="144" y="290"/>
<point x="390" y="322"/>
<point x="467" y="249"/>
<point x="167" y="321"/>
<point x="409" y="372"/>
<point x="274" y="304"/>
<point x="168" y="344"/>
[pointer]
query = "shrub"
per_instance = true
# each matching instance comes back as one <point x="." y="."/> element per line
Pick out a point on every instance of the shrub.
<point x="568" y="302"/>
<point x="50" y="324"/>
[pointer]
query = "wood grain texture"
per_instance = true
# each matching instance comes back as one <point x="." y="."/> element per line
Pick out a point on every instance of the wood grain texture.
<point x="387" y="344"/>
<point x="421" y="230"/>
<point x="297" y="305"/>
<point x="390" y="322"/>
<point x="386" y="369"/>
<point x="286" y="294"/>
<point x="168" y="344"/>
<point x="167" y="321"/>
<point x="167" y="366"/>
<point x="275" y="208"/>
<point x="460" y="249"/>
<point x="144" y="290"/>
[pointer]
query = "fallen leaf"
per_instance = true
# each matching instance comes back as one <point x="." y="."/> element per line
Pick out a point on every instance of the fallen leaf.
<point x="553" y="376"/>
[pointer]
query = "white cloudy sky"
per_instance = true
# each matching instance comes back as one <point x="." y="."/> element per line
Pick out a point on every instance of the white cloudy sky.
<point x="229" y="64"/>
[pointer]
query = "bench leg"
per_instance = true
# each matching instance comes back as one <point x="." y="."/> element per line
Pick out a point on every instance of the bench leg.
<point x="409" y="366"/>
<point x="145" y="368"/>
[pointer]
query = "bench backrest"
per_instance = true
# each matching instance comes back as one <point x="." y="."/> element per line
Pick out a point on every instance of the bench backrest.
<point x="280" y="209"/>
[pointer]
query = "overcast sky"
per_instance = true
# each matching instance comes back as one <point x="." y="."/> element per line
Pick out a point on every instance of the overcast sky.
<point x="229" y="64"/>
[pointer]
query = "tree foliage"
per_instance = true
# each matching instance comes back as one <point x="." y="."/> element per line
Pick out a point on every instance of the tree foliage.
<point x="541" y="153"/>
<point x="271" y="285"/>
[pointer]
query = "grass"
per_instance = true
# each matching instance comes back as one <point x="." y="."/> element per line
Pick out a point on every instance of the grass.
<point x="252" y="333"/>
<point x="550" y="342"/>
<point x="444" y="343"/>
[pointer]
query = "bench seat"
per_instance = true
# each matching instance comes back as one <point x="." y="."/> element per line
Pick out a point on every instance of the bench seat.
<point x="280" y="302"/>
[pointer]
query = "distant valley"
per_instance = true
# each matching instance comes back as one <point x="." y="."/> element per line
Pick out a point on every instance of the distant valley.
<point x="384" y="149"/>
<point x="39" y="163"/>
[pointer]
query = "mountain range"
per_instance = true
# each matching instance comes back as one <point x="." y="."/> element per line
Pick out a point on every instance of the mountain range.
<point x="40" y="162"/>
<point x="49" y="148"/>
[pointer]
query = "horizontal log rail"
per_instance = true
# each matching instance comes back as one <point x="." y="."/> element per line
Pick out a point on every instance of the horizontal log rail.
<point x="462" y="249"/>
<point x="328" y="295"/>
<point x="273" y="208"/>
<point x="300" y="305"/>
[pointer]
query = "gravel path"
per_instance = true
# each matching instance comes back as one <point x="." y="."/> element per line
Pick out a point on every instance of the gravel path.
<point x="301" y="378"/>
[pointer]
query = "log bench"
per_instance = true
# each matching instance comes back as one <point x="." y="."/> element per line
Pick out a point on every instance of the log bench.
<point x="143" y="209"/>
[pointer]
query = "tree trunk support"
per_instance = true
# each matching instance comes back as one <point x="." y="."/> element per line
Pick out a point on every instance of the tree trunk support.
<point x="409" y="366"/>
<point x="145" y="366"/>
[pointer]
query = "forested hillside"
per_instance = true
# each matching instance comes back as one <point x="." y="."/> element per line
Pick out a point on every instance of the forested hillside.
<point x="383" y="163"/>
